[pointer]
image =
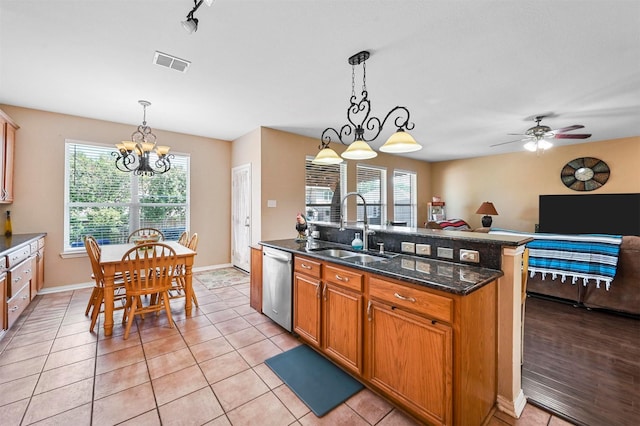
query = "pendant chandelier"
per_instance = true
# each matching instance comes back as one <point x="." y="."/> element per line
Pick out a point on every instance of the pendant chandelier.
<point x="359" y="121"/>
<point x="135" y="155"/>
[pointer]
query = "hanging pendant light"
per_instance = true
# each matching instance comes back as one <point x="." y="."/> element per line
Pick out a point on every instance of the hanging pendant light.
<point x="135" y="155"/>
<point x="359" y="120"/>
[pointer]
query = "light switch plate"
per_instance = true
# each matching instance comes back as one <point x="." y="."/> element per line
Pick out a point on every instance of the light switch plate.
<point x="423" y="249"/>
<point x="407" y="247"/>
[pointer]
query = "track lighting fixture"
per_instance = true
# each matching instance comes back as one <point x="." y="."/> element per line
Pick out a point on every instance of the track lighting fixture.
<point x="191" y="23"/>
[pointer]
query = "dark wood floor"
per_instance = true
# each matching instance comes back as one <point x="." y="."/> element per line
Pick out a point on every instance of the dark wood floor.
<point x="583" y="365"/>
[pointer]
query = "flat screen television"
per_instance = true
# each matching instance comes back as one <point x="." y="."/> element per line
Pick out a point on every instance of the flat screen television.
<point x="617" y="214"/>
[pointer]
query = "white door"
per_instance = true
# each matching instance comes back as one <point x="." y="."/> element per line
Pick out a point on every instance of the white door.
<point x="241" y="217"/>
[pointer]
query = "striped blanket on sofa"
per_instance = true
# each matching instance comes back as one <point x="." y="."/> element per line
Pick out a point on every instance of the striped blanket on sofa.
<point x="585" y="256"/>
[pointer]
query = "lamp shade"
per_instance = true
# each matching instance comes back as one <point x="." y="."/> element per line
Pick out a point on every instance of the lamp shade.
<point x="190" y="25"/>
<point x="327" y="156"/>
<point x="359" y="150"/>
<point x="487" y="208"/>
<point x="400" y="142"/>
<point x="534" y="146"/>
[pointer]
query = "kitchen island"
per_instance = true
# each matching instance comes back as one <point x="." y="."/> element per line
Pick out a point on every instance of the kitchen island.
<point x="421" y="331"/>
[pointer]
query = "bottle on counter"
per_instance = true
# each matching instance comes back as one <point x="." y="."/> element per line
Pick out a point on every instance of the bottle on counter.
<point x="357" y="243"/>
<point x="7" y="225"/>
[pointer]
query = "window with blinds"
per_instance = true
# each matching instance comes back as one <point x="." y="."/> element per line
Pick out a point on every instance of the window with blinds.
<point x="323" y="185"/>
<point x="372" y="185"/>
<point x="109" y="204"/>
<point x="405" y="196"/>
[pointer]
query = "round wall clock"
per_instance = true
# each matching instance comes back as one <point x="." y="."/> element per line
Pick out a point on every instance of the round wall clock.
<point x="585" y="174"/>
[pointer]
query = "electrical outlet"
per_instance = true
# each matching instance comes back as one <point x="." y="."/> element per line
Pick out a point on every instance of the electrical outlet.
<point x="469" y="256"/>
<point x="408" y="247"/>
<point x="445" y="252"/>
<point x="423" y="249"/>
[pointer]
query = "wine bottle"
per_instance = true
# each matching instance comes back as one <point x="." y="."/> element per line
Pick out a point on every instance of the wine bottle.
<point x="7" y="225"/>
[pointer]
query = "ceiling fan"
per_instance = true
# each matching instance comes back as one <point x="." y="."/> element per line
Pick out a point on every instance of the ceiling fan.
<point x="537" y="137"/>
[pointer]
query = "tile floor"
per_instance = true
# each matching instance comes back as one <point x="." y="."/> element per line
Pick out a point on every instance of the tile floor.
<point x="208" y="370"/>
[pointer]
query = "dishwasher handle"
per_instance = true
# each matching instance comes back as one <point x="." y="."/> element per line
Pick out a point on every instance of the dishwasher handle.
<point x="277" y="257"/>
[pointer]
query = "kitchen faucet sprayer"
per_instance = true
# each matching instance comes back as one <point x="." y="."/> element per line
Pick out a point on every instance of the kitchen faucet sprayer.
<point x="366" y="232"/>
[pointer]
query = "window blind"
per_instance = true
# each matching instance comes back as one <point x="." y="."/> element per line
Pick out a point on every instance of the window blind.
<point x="323" y="185"/>
<point x="109" y="204"/>
<point x="372" y="184"/>
<point x="404" y="197"/>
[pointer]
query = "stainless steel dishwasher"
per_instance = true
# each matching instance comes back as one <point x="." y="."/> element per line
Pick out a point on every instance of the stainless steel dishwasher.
<point x="277" y="287"/>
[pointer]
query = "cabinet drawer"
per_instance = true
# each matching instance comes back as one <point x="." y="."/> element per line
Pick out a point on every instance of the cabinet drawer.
<point x="19" y="276"/>
<point x="18" y="256"/>
<point x="33" y="247"/>
<point x="420" y="301"/>
<point x="17" y="304"/>
<point x="40" y="243"/>
<point x="3" y="264"/>
<point x="343" y="277"/>
<point x="307" y="266"/>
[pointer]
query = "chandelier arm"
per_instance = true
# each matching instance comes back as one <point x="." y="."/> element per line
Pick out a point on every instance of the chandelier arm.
<point x="400" y="122"/>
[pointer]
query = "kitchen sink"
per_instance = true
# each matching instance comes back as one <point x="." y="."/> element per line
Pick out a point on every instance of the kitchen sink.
<point x="350" y="255"/>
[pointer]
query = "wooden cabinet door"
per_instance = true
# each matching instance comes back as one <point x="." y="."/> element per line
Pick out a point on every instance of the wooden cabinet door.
<point x="342" y="326"/>
<point x="306" y="308"/>
<point x="409" y="358"/>
<point x="255" y="288"/>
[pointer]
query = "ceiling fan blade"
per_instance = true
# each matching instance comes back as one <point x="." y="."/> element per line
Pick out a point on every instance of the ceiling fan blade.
<point x="504" y="143"/>
<point x="518" y="134"/>
<point x="569" y="128"/>
<point x="570" y="136"/>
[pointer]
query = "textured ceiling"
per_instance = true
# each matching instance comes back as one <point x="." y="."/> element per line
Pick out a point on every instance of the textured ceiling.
<point x="470" y="72"/>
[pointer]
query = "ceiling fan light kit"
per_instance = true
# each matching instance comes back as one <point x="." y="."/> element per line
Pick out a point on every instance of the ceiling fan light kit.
<point x="359" y="120"/>
<point x="191" y="23"/>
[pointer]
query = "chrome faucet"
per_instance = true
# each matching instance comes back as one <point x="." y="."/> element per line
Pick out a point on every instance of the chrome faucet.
<point x="365" y="236"/>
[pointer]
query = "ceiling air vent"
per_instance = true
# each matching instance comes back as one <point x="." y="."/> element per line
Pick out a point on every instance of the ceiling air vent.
<point x="169" y="61"/>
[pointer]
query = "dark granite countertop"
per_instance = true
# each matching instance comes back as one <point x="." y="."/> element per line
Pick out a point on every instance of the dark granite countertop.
<point x="9" y="243"/>
<point x="450" y="277"/>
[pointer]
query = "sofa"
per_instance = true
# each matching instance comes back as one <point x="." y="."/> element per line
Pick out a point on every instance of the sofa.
<point x="623" y="295"/>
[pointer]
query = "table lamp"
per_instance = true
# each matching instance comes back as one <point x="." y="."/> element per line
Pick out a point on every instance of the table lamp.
<point x="487" y="209"/>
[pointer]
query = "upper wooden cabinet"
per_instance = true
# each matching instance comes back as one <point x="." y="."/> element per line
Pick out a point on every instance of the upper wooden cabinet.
<point x="7" y="145"/>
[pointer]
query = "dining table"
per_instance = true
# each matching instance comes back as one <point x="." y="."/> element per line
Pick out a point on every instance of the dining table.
<point x="111" y="262"/>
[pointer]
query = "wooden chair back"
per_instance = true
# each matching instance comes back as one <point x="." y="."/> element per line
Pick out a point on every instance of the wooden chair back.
<point x="184" y="238"/>
<point x="144" y="232"/>
<point x="149" y="269"/>
<point x="193" y="242"/>
<point x="93" y="250"/>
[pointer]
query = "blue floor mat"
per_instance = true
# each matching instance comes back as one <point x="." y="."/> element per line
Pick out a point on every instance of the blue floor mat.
<point x="318" y="382"/>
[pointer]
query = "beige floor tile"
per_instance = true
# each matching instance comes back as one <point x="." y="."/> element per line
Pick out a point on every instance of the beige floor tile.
<point x="115" y="343"/>
<point x="232" y="325"/>
<point x="369" y="405"/>
<point x="210" y="349"/>
<point x="267" y="375"/>
<point x="69" y="356"/>
<point x="266" y="407"/>
<point x="24" y="339"/>
<point x="73" y="341"/>
<point x="153" y="328"/>
<point x="397" y="418"/>
<point x="159" y="347"/>
<point x="270" y="329"/>
<point x="220" y="421"/>
<point x="255" y="318"/>
<point x="21" y="353"/>
<point x="192" y="323"/>
<point x="239" y="389"/>
<point x="196" y="408"/>
<point x="201" y="334"/>
<point x="341" y="415"/>
<point x="285" y="341"/>
<point x="169" y="363"/>
<point x="11" y="414"/>
<point x="178" y="384"/>
<point x="123" y="405"/>
<point x="291" y="401"/>
<point x="245" y="337"/>
<point x="224" y="366"/>
<point x="17" y="389"/>
<point x="150" y="418"/>
<point x="211" y="309"/>
<point x="258" y="352"/>
<point x="120" y="379"/>
<point x="119" y="359"/>
<point x="20" y="369"/>
<point x="65" y="375"/>
<point x="531" y="416"/>
<point x="79" y="416"/>
<point x="59" y="400"/>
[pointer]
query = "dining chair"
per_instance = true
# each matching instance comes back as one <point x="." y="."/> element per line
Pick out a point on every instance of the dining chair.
<point x="525" y="276"/>
<point x="149" y="269"/>
<point x="145" y="232"/>
<point x="179" y="280"/>
<point x="96" y="299"/>
<point x="184" y="238"/>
